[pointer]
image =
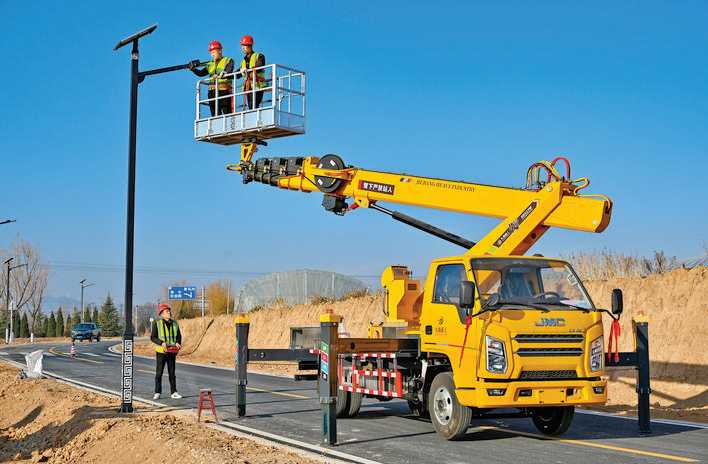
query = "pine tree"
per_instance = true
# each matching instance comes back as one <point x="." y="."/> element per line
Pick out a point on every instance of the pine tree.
<point x="67" y="326"/>
<point x="94" y="314"/>
<point x="24" y="326"/>
<point x="109" y="319"/>
<point x="86" y="316"/>
<point x="60" y="323"/>
<point x="75" y="317"/>
<point x="52" y="325"/>
<point x="16" y="322"/>
<point x="45" y="326"/>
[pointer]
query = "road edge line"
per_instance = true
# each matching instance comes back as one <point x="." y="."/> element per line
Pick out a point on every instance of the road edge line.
<point x="695" y="425"/>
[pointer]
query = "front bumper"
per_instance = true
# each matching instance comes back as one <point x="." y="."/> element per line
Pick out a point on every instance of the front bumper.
<point x="82" y="336"/>
<point x="542" y="393"/>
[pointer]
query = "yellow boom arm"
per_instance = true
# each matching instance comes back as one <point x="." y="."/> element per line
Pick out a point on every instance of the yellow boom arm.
<point x="526" y="213"/>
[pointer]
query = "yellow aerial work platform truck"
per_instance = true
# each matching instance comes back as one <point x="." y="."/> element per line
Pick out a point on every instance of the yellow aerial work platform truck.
<point x="489" y="329"/>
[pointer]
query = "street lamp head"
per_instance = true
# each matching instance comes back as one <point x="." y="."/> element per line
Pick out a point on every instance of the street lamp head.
<point x="134" y="37"/>
<point x="7" y="221"/>
<point x="8" y="260"/>
<point x="82" y="281"/>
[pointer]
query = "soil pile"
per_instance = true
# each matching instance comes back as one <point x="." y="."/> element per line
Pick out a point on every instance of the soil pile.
<point x="46" y="421"/>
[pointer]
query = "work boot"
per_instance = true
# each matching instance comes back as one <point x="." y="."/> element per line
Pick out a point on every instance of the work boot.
<point x="156" y="396"/>
<point x="175" y="396"/>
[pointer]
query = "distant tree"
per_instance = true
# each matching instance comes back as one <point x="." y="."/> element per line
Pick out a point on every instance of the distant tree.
<point x="67" y="326"/>
<point x="60" y="322"/>
<point x="16" y="322"/>
<point x="94" y="314"/>
<point x="109" y="318"/>
<point x="86" y="316"/>
<point x="75" y="317"/>
<point x="52" y="325"/>
<point x="45" y="326"/>
<point x="24" y="326"/>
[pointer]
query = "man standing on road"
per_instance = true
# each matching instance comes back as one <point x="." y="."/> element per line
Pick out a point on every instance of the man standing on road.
<point x="168" y="340"/>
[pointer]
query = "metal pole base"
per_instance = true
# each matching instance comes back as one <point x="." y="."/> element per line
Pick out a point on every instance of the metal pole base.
<point x="125" y="408"/>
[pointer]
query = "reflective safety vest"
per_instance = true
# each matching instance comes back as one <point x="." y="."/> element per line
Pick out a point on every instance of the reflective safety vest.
<point x="260" y="74"/>
<point x="165" y="334"/>
<point x="216" y="68"/>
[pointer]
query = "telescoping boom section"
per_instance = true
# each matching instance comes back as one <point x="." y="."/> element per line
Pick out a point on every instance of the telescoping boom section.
<point x="549" y="198"/>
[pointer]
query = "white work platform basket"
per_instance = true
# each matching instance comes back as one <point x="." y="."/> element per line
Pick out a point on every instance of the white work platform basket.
<point x="264" y="103"/>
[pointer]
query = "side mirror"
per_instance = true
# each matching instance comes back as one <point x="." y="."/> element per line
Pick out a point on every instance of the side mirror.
<point x="467" y="294"/>
<point x="617" y="302"/>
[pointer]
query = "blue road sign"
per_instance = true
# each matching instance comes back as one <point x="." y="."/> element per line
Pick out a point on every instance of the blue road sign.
<point x="182" y="293"/>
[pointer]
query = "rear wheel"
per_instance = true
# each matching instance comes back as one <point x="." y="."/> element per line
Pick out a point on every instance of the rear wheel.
<point x="354" y="404"/>
<point x="343" y="403"/>
<point x="450" y="419"/>
<point x="98" y="338"/>
<point x="90" y="339"/>
<point x="553" y="421"/>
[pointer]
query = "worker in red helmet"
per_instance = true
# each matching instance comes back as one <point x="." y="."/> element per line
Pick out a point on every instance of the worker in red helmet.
<point x="168" y="340"/>
<point x="253" y="80"/>
<point x="218" y="69"/>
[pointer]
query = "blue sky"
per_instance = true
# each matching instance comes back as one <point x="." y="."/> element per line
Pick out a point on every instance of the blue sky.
<point x="471" y="90"/>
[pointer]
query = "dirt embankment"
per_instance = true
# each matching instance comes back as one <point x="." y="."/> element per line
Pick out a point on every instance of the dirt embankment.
<point x="47" y="421"/>
<point x="676" y="304"/>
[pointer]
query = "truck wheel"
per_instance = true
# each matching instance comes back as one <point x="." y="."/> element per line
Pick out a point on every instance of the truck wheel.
<point x="450" y="419"/>
<point x="419" y="409"/>
<point x="90" y="338"/>
<point x="98" y="339"/>
<point x="354" y="404"/>
<point x="553" y="421"/>
<point x="343" y="403"/>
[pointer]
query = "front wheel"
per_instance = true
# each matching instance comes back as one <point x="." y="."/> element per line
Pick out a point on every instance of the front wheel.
<point x="553" y="421"/>
<point x="450" y="419"/>
<point x="98" y="338"/>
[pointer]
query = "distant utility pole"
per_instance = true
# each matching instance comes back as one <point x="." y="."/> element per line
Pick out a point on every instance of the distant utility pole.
<point x="136" y="77"/>
<point x="9" y="327"/>
<point x="83" y="286"/>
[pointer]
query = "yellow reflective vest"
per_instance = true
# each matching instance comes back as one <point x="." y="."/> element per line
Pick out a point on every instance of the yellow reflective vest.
<point x="216" y="68"/>
<point x="166" y="334"/>
<point x="260" y="74"/>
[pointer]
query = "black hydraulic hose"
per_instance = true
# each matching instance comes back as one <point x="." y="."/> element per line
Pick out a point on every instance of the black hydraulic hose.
<point x="425" y="227"/>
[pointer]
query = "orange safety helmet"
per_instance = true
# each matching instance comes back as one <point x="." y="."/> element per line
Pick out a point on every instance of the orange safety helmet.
<point x="215" y="45"/>
<point x="247" y="40"/>
<point x="163" y="307"/>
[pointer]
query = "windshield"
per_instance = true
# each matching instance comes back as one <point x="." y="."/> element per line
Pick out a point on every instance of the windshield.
<point x="529" y="281"/>
<point x="83" y="327"/>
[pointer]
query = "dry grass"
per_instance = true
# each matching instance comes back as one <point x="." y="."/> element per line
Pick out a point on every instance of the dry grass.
<point x="606" y="264"/>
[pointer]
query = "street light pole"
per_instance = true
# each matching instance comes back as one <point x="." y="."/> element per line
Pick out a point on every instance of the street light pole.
<point x="136" y="77"/>
<point x="10" y="326"/>
<point x="83" y="286"/>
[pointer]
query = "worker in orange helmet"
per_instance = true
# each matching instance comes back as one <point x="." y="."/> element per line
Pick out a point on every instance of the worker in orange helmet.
<point x="218" y="69"/>
<point x="252" y="79"/>
<point x="168" y="340"/>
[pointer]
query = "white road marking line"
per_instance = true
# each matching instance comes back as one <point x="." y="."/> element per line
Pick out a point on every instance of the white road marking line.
<point x="92" y="354"/>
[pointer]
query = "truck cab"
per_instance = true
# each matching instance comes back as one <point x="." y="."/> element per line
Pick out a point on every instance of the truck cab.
<point x="510" y="332"/>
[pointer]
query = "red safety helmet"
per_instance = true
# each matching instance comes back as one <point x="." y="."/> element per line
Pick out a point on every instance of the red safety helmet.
<point x="215" y="45"/>
<point x="163" y="307"/>
<point x="247" y="40"/>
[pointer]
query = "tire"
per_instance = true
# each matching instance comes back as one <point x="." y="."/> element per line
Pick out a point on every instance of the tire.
<point x="90" y="339"/>
<point x="419" y="409"/>
<point x="73" y="340"/>
<point x="553" y="421"/>
<point x="343" y="403"/>
<point x="354" y="404"/>
<point x="450" y="419"/>
<point x="98" y="339"/>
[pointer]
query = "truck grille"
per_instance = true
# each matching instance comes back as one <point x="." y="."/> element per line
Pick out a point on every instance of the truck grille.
<point x="546" y="375"/>
<point x="549" y="338"/>
<point x="549" y="351"/>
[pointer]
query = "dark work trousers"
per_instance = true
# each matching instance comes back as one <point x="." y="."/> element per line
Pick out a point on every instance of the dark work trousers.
<point x="225" y="106"/>
<point x="162" y="359"/>
<point x="259" y="99"/>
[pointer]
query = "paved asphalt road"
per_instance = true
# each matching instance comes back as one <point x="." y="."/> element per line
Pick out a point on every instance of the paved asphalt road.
<point x="384" y="431"/>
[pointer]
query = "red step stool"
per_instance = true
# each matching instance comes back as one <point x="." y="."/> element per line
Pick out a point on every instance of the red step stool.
<point x="206" y="400"/>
